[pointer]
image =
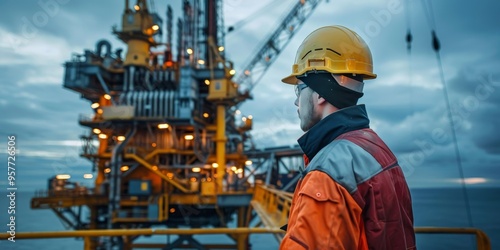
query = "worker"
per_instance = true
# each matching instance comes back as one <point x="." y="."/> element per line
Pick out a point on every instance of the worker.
<point x="352" y="193"/>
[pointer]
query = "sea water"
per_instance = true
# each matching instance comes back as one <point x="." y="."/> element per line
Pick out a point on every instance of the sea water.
<point x="443" y="207"/>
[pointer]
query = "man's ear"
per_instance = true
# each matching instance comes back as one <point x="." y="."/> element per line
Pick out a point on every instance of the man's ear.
<point x="321" y="100"/>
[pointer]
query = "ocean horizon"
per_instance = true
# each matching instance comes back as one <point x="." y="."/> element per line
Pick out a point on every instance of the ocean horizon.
<point x="432" y="207"/>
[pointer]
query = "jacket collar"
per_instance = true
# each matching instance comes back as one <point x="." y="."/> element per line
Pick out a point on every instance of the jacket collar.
<point x="330" y="127"/>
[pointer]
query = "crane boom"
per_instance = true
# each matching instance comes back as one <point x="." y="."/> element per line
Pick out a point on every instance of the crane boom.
<point x="274" y="44"/>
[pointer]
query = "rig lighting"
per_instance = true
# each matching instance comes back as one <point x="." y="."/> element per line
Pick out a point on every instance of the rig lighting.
<point x="124" y="168"/>
<point x="103" y="136"/>
<point x="163" y="126"/>
<point x="189" y="51"/>
<point x="207" y="82"/>
<point x="248" y="162"/>
<point x="120" y="138"/>
<point x="155" y="27"/>
<point x="96" y="131"/>
<point x="63" y="176"/>
<point x="88" y="176"/>
<point x="196" y="170"/>
<point x="221" y="48"/>
<point x="201" y="61"/>
<point x="206" y="115"/>
<point x="188" y="137"/>
<point x="232" y="72"/>
<point x="94" y="105"/>
<point x="107" y="97"/>
<point x="136" y="7"/>
<point x="107" y="170"/>
<point x="215" y="165"/>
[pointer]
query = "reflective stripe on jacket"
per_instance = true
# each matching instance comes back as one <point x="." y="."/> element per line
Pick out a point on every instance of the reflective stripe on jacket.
<point x="353" y="194"/>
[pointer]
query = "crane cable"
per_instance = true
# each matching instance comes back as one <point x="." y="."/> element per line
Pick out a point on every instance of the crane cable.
<point x="409" y="39"/>
<point x="436" y="46"/>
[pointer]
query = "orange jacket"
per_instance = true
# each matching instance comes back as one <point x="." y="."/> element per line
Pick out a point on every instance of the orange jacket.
<point x="353" y="194"/>
<point x="323" y="216"/>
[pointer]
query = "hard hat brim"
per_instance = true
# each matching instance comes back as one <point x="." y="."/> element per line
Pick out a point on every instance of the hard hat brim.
<point x="291" y="79"/>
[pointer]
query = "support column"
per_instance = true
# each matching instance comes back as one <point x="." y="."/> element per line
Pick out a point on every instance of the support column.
<point x="220" y="139"/>
<point x="127" y="243"/>
<point x="242" y="239"/>
<point x="242" y="243"/>
<point x="241" y="217"/>
<point x="89" y="243"/>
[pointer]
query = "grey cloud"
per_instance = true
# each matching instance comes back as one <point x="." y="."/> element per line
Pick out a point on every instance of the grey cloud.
<point x="395" y="103"/>
<point x="484" y="127"/>
<point x="52" y="115"/>
<point x="474" y="101"/>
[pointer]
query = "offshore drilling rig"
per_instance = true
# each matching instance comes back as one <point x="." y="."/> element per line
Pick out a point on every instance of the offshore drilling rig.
<point x="167" y="143"/>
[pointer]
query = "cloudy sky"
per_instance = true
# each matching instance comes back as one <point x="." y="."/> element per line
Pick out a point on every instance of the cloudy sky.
<point x="405" y="103"/>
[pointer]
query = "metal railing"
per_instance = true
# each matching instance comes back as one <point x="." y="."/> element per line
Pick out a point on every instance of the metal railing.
<point x="482" y="239"/>
<point x="276" y="205"/>
<point x="90" y="236"/>
<point x="64" y="192"/>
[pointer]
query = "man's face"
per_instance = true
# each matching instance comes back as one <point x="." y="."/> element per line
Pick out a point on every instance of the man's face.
<point x="306" y="107"/>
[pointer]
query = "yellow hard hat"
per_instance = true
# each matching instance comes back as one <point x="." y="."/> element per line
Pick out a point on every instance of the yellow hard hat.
<point x="335" y="49"/>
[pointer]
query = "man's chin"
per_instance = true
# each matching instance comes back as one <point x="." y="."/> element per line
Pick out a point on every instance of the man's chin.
<point x="304" y="127"/>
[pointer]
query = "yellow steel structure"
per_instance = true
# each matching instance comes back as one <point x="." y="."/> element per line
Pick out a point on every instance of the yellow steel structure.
<point x="138" y="28"/>
<point x="162" y="126"/>
<point x="272" y="206"/>
<point x="220" y="140"/>
<point x="157" y="172"/>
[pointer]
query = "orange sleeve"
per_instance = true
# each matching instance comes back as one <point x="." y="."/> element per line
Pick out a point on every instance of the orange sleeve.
<point x="324" y="216"/>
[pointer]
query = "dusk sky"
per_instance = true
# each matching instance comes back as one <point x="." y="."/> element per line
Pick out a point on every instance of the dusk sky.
<point x="405" y="103"/>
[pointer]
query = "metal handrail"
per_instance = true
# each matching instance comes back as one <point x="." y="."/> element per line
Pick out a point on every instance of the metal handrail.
<point x="136" y="232"/>
<point x="482" y="239"/>
<point x="274" y="202"/>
